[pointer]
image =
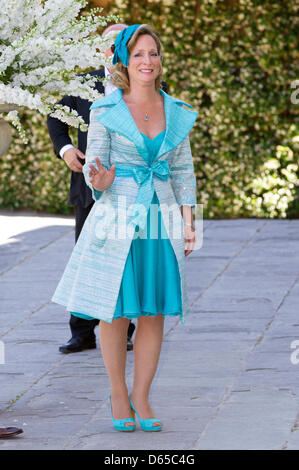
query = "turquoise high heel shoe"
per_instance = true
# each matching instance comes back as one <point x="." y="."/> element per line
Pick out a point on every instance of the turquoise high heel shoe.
<point x="120" y="424"/>
<point x="146" y="424"/>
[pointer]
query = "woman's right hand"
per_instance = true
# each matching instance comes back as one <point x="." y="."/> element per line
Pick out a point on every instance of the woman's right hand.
<point x="99" y="177"/>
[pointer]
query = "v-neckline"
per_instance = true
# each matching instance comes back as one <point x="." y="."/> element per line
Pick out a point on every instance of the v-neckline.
<point x="117" y="118"/>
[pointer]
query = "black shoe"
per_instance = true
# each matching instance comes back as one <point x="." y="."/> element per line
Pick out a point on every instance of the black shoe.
<point x="77" y="345"/>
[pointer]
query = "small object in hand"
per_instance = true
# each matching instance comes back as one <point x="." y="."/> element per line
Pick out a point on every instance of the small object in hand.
<point x="10" y="432"/>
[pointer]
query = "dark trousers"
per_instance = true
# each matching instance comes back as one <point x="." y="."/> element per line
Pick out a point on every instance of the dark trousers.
<point x="81" y="214"/>
<point x="80" y="328"/>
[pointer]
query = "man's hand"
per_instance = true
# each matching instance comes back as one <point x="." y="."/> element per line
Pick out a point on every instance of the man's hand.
<point x="101" y="178"/>
<point x="71" y="157"/>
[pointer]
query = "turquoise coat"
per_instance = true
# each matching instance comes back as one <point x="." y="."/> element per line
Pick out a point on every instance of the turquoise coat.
<point x="92" y="278"/>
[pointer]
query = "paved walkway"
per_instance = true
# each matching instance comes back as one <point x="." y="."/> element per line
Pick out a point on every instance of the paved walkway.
<point x="227" y="379"/>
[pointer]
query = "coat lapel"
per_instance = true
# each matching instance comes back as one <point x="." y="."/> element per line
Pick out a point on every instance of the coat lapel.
<point x="179" y="122"/>
<point x="117" y="118"/>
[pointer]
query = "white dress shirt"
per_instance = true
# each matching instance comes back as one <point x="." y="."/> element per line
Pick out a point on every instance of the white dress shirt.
<point x="109" y="88"/>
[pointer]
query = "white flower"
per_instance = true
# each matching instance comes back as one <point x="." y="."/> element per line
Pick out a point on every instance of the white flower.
<point x="14" y="118"/>
<point x="43" y="45"/>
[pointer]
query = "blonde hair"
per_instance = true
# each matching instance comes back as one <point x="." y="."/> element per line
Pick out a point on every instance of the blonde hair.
<point x="120" y="76"/>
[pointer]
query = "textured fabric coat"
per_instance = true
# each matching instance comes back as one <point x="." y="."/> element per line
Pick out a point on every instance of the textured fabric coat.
<point x="91" y="281"/>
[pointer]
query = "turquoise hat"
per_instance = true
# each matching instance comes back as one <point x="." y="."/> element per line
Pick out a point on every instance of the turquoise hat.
<point x="121" y="53"/>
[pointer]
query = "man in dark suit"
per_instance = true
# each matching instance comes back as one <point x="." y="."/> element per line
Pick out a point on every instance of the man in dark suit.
<point x="83" y="336"/>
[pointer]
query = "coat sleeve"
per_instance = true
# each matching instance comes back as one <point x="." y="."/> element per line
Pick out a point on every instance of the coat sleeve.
<point x="183" y="179"/>
<point x="98" y="145"/>
<point x="58" y="130"/>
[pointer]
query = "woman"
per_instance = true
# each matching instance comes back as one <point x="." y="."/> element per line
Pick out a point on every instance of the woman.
<point x="126" y="264"/>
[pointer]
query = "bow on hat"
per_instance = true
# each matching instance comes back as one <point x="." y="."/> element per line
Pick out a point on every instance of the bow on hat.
<point x="121" y="53"/>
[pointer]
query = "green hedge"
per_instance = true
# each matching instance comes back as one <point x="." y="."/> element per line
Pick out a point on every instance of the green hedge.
<point x="31" y="176"/>
<point x="234" y="61"/>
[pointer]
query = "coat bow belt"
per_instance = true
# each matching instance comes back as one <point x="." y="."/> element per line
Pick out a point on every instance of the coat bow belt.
<point x="143" y="175"/>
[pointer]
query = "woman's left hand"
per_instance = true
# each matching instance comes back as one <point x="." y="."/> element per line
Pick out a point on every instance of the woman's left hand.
<point x="189" y="234"/>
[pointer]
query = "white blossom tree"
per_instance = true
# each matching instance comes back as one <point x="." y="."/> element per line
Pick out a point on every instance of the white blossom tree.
<point x="44" y="47"/>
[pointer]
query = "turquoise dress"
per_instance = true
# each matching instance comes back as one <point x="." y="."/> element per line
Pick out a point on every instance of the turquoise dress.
<point x="151" y="279"/>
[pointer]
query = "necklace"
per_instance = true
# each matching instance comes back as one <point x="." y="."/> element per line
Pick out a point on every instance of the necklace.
<point x="146" y="117"/>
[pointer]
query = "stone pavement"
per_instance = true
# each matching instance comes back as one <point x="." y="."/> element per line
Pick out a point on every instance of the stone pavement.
<point x="227" y="379"/>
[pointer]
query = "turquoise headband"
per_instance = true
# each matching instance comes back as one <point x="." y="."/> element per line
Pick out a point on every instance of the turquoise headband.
<point x="121" y="53"/>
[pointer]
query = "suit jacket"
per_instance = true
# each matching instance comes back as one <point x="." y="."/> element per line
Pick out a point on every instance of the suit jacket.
<point x="92" y="278"/>
<point x="80" y="194"/>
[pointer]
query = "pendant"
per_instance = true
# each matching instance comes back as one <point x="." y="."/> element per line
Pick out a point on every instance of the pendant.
<point x="146" y="117"/>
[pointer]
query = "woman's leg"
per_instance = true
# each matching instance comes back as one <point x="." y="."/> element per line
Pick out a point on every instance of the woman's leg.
<point x="113" y="341"/>
<point x="147" y="348"/>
